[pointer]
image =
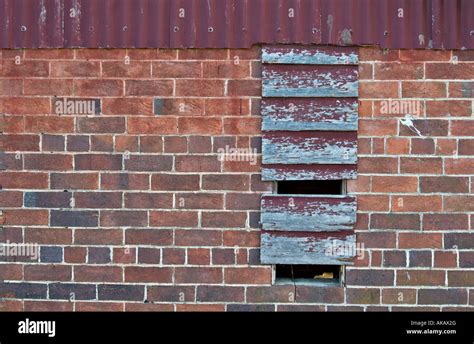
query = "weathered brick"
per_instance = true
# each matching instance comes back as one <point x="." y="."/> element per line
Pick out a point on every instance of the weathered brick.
<point x="121" y="292"/>
<point x="369" y="277"/>
<point x="84" y="273"/>
<point x="149" y="163"/>
<point x="363" y="296"/>
<point x="73" y="218"/>
<point x="260" y="275"/>
<point x="442" y="296"/>
<point x="112" y="218"/>
<point x="141" y="274"/>
<point x="51" y="272"/>
<point x="420" y="277"/>
<point x="161" y="293"/>
<point x="420" y="240"/>
<point x="150" y="236"/>
<point x="444" y="184"/>
<point x="207" y="293"/>
<point x="224" y="219"/>
<point x="442" y="222"/>
<point x="199" y="275"/>
<point x="72" y="291"/>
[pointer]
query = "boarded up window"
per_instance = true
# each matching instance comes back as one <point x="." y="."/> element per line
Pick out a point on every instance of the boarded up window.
<point x="309" y="124"/>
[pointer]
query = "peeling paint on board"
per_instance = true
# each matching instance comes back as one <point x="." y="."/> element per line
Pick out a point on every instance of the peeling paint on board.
<point x="308" y="172"/>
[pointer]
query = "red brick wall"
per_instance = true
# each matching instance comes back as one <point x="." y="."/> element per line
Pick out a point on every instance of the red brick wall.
<point x="129" y="206"/>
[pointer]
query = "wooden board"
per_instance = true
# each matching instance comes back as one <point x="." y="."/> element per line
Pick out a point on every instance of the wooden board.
<point x="300" y="114"/>
<point x="310" y="213"/>
<point x="297" y="54"/>
<point x="283" y="147"/>
<point x="309" y="81"/>
<point x="307" y="248"/>
<point x="308" y="172"/>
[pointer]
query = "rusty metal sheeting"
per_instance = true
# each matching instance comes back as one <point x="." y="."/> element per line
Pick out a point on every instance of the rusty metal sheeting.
<point x="419" y="24"/>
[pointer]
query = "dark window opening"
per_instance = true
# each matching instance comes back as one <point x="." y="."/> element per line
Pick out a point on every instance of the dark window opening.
<point x="329" y="274"/>
<point x="310" y="187"/>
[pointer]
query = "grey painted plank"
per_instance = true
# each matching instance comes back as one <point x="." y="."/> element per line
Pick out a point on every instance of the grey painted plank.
<point x="308" y="212"/>
<point x="309" y="81"/>
<point x="291" y="54"/>
<point x="308" y="172"/>
<point x="299" y="114"/>
<point x="308" y="248"/>
<point x="309" y="147"/>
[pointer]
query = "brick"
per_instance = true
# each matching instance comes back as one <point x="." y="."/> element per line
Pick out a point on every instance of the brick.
<point x="99" y="306"/>
<point x="445" y="259"/>
<point x="85" y="69"/>
<point x="10" y="199"/>
<point x="75" y="254"/>
<point x="47" y="199"/>
<point x="422" y="146"/>
<point x="199" y="275"/>
<point x="241" y="238"/>
<point x="11" y="306"/>
<point x="51" y="236"/>
<point x="177" y="69"/>
<point x="172" y="144"/>
<point x="49" y="124"/>
<point x="149" y="255"/>
<point x="227" y="106"/>
<point x="423" y="89"/>
<point x="148" y="200"/>
<point x="223" y="219"/>
<point x="243" y="307"/>
<point x="223" y="256"/>
<point x="72" y="291"/>
<point x="174" y="256"/>
<point x="398" y="296"/>
<point x="431" y="127"/>
<point x="11" y="124"/>
<point x="420" y="259"/>
<point x="98" y="87"/>
<point x="124" y="181"/>
<point x="444" y="184"/>
<point x="197" y="163"/>
<point x="51" y="254"/>
<point x="238" y="201"/>
<point x="148" y="87"/>
<point x="394" y="259"/>
<point x="200" y="88"/>
<point x="460" y="278"/>
<point x="25" y="217"/>
<point x="95" y="125"/>
<point x="449" y="71"/>
<point x="369" y="127"/>
<point x="206" y="293"/>
<point x="20" y="142"/>
<point x="247" y="88"/>
<point x="173" y="218"/>
<point x="199" y="125"/>
<point x="363" y="296"/>
<point x="369" y="277"/>
<point x="74" y="181"/>
<point x="11" y="87"/>
<point x="397" y="184"/>
<point x="446" y="146"/>
<point x="377" y="89"/>
<point x="377" y="239"/>
<point x="395" y="221"/>
<point x="125" y="255"/>
<point x="234" y="182"/>
<point x="398" y="71"/>
<point x="202" y="54"/>
<point x="159" y="293"/>
<point x="135" y="69"/>
<point x="47" y="306"/>
<point x="78" y="143"/>
<point x="442" y="222"/>
<point x="25" y="69"/>
<point x="45" y="87"/>
<point x="458" y="166"/>
<point x="459" y="241"/>
<point x="466" y="147"/>
<point x="11" y="272"/>
<point x="47" y="162"/>
<point x="112" y="218"/>
<point x="74" y="218"/>
<point x="377" y="54"/>
<point x="126" y="143"/>
<point x="98" y="162"/>
<point x="25" y="105"/>
<point x="150" y="236"/>
<point x="226" y="69"/>
<point x="365" y="71"/>
<point x="463" y="89"/>
<point x="102" y="143"/>
<point x="199" y="256"/>
<point x="419" y="240"/>
<point x="466" y="259"/>
<point x="50" y="272"/>
<point x="260" y="275"/>
<point x="424" y="55"/>
<point x="416" y="203"/>
<point x="180" y="106"/>
<point x="442" y="296"/>
<point x="121" y="292"/>
<point x="420" y="277"/>
<point x="23" y="290"/>
<point x="52" y="143"/>
<point x="141" y="274"/>
<point x="242" y="126"/>
<point x="448" y="108"/>
<point x="152" y="125"/>
<point x="98" y="255"/>
<point x="199" y="201"/>
<point x="311" y="294"/>
<point x="458" y="203"/>
<point x="377" y="165"/>
<point x="148" y="163"/>
<point x="85" y="273"/>
<point x="175" y="182"/>
<point x="200" y="144"/>
<point x="198" y="237"/>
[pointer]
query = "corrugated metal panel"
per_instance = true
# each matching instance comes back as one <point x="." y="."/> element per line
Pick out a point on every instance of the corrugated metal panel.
<point x="440" y="24"/>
